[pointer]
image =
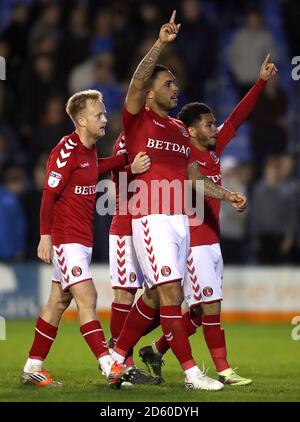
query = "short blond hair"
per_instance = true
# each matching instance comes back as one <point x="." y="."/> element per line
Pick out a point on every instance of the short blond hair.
<point x="77" y="102"/>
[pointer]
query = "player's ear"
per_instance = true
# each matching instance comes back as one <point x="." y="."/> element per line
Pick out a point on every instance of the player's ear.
<point x="81" y="121"/>
<point x="192" y="131"/>
<point x="150" y="94"/>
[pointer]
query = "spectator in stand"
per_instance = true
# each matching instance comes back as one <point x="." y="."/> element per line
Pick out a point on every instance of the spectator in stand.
<point x="37" y="84"/>
<point x="31" y="201"/>
<point x="54" y="124"/>
<point x="273" y="217"/>
<point x="12" y="219"/>
<point x="48" y="23"/>
<point x="233" y="225"/>
<point x="76" y="40"/>
<point x="105" y="82"/>
<point x="269" y="124"/>
<point x="249" y="46"/>
<point x="197" y="46"/>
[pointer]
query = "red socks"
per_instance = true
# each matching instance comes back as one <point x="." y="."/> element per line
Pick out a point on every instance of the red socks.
<point x="191" y="323"/>
<point x="118" y="316"/>
<point x="175" y="333"/>
<point x="137" y="322"/>
<point x="215" y="340"/>
<point x="94" y="336"/>
<point x="45" y="334"/>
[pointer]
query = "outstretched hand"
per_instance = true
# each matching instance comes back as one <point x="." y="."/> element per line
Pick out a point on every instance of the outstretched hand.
<point x="267" y="69"/>
<point x="169" y="31"/>
<point x="238" y="201"/>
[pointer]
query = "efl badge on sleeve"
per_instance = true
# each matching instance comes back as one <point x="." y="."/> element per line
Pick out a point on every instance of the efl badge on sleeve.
<point x="54" y="179"/>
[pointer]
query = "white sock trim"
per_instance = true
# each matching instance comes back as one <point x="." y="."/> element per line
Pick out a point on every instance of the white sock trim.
<point x="121" y="310"/>
<point x="145" y="316"/>
<point x="170" y="316"/>
<point x="43" y="334"/>
<point x="93" y="331"/>
<point x="194" y="324"/>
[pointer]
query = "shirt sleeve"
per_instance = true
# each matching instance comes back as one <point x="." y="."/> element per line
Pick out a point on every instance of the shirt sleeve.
<point x="58" y="171"/>
<point x="47" y="211"/>
<point x="240" y="113"/>
<point x="59" y="168"/>
<point x="110" y="163"/>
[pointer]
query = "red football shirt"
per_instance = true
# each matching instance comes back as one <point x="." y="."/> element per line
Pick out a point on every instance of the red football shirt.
<point x="72" y="173"/>
<point x="67" y="209"/>
<point x="166" y="141"/>
<point x="121" y="224"/>
<point x="209" y="164"/>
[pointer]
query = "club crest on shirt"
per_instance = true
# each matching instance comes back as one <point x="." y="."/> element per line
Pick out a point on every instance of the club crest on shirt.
<point x="207" y="291"/>
<point x="54" y="179"/>
<point x="132" y="277"/>
<point x="76" y="271"/>
<point x="214" y="157"/>
<point x="184" y="131"/>
<point x="165" y="271"/>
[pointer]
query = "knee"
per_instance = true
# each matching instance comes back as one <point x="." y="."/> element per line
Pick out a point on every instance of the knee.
<point x="60" y="304"/>
<point x="151" y="298"/>
<point x="211" y="308"/>
<point x="124" y="297"/>
<point x="87" y="302"/>
<point x="170" y="294"/>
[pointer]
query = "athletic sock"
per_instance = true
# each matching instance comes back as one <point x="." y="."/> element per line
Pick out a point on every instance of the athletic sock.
<point x="94" y="336"/>
<point x="215" y="340"/>
<point x="191" y="323"/>
<point x="175" y="333"/>
<point x="137" y="322"/>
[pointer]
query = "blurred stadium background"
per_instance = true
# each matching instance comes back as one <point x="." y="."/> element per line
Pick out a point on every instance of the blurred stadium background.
<point x="54" y="48"/>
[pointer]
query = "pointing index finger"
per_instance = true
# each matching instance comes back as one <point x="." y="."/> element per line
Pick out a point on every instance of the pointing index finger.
<point x="173" y="16"/>
<point x="267" y="59"/>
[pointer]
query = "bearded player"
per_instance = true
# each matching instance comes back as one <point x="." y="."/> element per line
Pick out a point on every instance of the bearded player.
<point x="204" y="275"/>
<point x="160" y="237"/>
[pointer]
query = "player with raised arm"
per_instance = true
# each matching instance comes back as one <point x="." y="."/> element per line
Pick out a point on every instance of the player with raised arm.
<point x="66" y="227"/>
<point x="160" y="237"/>
<point x="204" y="275"/>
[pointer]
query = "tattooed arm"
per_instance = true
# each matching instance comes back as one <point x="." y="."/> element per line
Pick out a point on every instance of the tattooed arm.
<point x="212" y="190"/>
<point x="136" y="94"/>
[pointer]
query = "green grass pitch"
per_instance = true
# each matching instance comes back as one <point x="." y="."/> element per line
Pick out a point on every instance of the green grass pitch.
<point x="266" y="353"/>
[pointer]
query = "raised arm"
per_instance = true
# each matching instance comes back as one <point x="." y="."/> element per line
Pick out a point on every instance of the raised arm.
<point x="246" y="105"/>
<point x="136" y="95"/>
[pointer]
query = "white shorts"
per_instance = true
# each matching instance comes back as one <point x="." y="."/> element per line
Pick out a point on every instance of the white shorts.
<point x="204" y="275"/>
<point x="161" y="243"/>
<point x="125" y="272"/>
<point x="71" y="264"/>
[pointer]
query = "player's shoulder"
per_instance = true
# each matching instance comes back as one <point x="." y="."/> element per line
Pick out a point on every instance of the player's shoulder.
<point x="64" y="152"/>
<point x="181" y="126"/>
<point x="68" y="143"/>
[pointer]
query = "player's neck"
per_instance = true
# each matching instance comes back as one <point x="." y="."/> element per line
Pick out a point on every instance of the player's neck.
<point x="197" y="145"/>
<point x="162" y="113"/>
<point x="86" y="140"/>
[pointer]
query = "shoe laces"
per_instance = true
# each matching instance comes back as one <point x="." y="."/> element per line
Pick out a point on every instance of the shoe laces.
<point x="204" y="370"/>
